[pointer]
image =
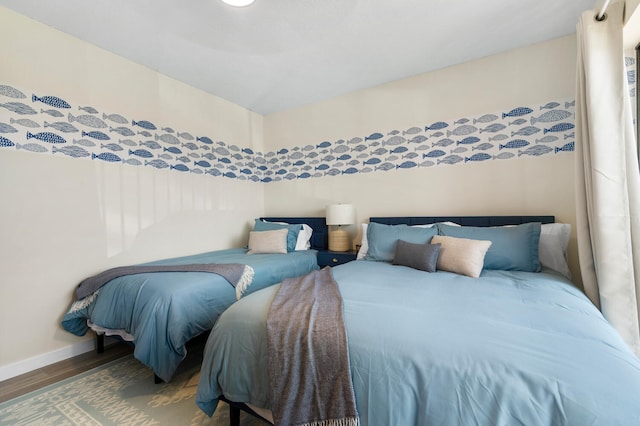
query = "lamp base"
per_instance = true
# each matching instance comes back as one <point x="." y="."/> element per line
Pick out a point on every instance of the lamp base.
<point x="339" y="240"/>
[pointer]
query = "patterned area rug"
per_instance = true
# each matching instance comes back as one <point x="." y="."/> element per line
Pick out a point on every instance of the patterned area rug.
<point x="119" y="393"/>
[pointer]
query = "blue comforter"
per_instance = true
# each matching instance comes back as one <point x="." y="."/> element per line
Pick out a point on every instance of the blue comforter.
<point x="508" y="348"/>
<point x="164" y="310"/>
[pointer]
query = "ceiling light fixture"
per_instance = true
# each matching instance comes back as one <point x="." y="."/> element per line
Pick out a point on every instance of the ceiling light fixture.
<point x="238" y="3"/>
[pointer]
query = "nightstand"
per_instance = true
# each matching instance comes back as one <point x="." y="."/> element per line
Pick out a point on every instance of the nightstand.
<point x="335" y="258"/>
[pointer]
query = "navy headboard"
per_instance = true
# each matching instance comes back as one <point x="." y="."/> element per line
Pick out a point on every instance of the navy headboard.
<point x="320" y="236"/>
<point x="463" y="220"/>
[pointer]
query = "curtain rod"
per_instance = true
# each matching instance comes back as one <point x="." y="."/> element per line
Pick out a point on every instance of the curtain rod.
<point x="601" y="16"/>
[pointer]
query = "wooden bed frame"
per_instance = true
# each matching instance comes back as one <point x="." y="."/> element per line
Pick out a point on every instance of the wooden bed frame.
<point x="236" y="407"/>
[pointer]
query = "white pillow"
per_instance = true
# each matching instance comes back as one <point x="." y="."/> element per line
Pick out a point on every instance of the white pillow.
<point x="461" y="255"/>
<point x="304" y="236"/>
<point x="552" y="249"/>
<point x="268" y="241"/>
<point x="364" y="245"/>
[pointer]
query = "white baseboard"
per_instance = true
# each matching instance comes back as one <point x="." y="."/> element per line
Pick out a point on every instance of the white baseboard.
<point x="33" y="363"/>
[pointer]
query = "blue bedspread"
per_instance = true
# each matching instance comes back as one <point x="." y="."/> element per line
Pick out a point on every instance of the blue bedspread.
<point x="162" y="311"/>
<point x="508" y="348"/>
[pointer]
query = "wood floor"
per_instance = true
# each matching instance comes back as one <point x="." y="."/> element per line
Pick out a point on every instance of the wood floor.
<point x="53" y="373"/>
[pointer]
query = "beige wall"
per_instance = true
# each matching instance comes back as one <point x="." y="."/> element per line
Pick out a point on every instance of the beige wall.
<point x="522" y="185"/>
<point x="63" y="219"/>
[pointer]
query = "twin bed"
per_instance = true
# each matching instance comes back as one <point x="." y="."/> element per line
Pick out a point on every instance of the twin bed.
<point x="513" y="342"/>
<point x="159" y="312"/>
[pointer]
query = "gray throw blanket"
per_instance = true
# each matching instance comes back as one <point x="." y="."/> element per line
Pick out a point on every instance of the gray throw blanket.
<point x="238" y="275"/>
<point x="308" y="356"/>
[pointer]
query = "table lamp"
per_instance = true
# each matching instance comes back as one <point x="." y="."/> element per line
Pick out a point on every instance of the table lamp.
<point x="338" y="215"/>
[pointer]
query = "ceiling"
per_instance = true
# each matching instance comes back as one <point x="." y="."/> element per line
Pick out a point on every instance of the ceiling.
<point x="280" y="54"/>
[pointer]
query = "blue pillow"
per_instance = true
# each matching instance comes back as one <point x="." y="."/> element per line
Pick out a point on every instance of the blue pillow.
<point x="292" y="235"/>
<point x="382" y="239"/>
<point x="513" y="248"/>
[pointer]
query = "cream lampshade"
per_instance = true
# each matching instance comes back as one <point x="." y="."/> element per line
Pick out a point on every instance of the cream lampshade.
<point x="338" y="215"/>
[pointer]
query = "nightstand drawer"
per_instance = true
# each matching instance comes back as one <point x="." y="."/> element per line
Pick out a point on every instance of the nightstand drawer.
<point x="334" y="258"/>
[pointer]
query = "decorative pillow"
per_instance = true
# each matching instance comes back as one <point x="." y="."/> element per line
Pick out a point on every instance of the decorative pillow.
<point x="513" y="248"/>
<point x="268" y="241"/>
<point x="554" y="240"/>
<point x="304" y="236"/>
<point x="292" y="235"/>
<point x="364" y="245"/>
<point x="417" y="256"/>
<point x="382" y="239"/>
<point x="461" y="255"/>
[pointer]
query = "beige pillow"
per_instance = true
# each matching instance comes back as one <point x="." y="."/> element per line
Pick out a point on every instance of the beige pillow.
<point x="461" y="255"/>
<point x="268" y="241"/>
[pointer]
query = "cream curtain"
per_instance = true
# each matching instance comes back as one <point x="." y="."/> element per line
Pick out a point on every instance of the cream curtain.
<point x="607" y="176"/>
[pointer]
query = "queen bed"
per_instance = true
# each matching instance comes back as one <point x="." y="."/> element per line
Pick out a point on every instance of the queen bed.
<point x="510" y="342"/>
<point x="160" y="306"/>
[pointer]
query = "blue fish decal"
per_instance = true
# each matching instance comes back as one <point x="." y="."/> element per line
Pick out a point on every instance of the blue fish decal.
<point x="399" y="150"/>
<point x="88" y="109"/>
<point x="174" y="150"/>
<point x="461" y="121"/>
<point x="478" y="157"/>
<point x="202" y="163"/>
<point x="468" y="140"/>
<point x="569" y="135"/>
<point x="204" y="139"/>
<point x="190" y="145"/>
<point x="46" y="137"/>
<point x="229" y="175"/>
<point x="246" y="171"/>
<point x="373" y="136"/>
<point x="567" y="105"/>
<point x="53" y="101"/>
<point x="19" y="108"/>
<point x="504" y="156"/>
<point x="144" y="124"/>
<point x="33" y="147"/>
<point x="517" y="122"/>
<point x="168" y="130"/>
<point x="526" y="131"/>
<point x="116" y="118"/>
<point x="247" y="151"/>
<point x="547" y="139"/>
<point x="145" y="133"/>
<point x="304" y="175"/>
<point x="61" y="126"/>
<point x="84" y="142"/>
<point x="95" y="134"/>
<point x="106" y="156"/>
<point x="459" y="150"/>
<point x="71" y="150"/>
<point x="409" y="131"/>
<point x="498" y="138"/>
<point x="88" y="120"/>
<point x="5" y="143"/>
<point x="451" y="159"/>
<point x="566" y="148"/>
<point x="112" y="147"/>
<point x="418" y="139"/>
<point x="52" y="112"/>
<point x="180" y="167"/>
<point x="322" y="167"/>
<point x="167" y="138"/>
<point x="7" y="128"/>
<point x="483" y="146"/>
<point x="24" y="122"/>
<point x="394" y="140"/>
<point x="151" y="144"/>
<point x="406" y="165"/>
<point x="487" y="118"/>
<point x="359" y="148"/>
<point x="282" y="151"/>
<point x="516" y="143"/>
<point x="550" y="116"/>
<point x="562" y="127"/>
<point x="123" y="131"/>
<point x="11" y="92"/>
<point x="517" y="112"/>
<point x="427" y="163"/>
<point x="158" y="164"/>
<point x="495" y="127"/>
<point x="433" y="154"/>
<point x="536" y="150"/>
<point x="436" y="126"/>
<point x="128" y="142"/>
<point x="463" y="130"/>
<point x="324" y="144"/>
<point x="442" y="142"/>
<point x="550" y="105"/>
<point x="141" y="153"/>
<point x="185" y="135"/>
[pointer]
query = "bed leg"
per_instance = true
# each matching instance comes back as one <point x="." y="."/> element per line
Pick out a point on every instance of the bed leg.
<point x="234" y="416"/>
<point x="100" y="343"/>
